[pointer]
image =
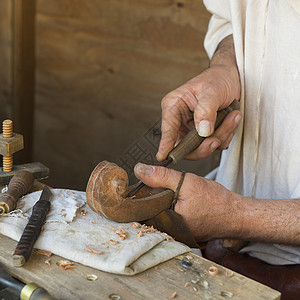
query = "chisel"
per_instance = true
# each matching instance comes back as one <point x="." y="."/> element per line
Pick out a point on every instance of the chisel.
<point x="189" y="143"/>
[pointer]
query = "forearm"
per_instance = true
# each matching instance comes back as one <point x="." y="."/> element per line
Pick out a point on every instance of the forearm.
<point x="267" y="220"/>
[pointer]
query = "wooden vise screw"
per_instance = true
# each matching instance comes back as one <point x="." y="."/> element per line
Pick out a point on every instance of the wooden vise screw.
<point x="10" y="143"/>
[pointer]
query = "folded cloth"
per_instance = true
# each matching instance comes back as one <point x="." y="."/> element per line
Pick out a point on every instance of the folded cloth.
<point x="72" y="230"/>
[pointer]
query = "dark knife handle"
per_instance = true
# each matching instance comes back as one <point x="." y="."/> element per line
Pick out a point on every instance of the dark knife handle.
<point x="31" y="232"/>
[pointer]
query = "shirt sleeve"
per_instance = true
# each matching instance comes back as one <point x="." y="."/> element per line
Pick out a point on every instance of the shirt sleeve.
<point x="219" y="25"/>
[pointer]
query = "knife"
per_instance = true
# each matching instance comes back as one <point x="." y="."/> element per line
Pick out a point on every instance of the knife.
<point x="32" y="229"/>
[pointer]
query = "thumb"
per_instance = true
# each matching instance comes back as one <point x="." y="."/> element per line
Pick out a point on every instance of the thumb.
<point x="156" y="176"/>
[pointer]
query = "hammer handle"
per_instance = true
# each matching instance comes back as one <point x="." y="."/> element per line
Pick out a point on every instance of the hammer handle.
<point x="19" y="185"/>
<point x="193" y="140"/>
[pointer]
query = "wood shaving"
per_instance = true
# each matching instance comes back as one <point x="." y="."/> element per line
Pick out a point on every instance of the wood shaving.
<point x="140" y="234"/>
<point x="174" y="295"/>
<point x="123" y="237"/>
<point x="44" y="252"/>
<point x="186" y="285"/>
<point x="62" y="210"/>
<point x="189" y="257"/>
<point x="229" y="273"/>
<point x="112" y="242"/>
<point x="121" y="232"/>
<point x="213" y="270"/>
<point x="66" y="265"/>
<point x="91" y="250"/>
<point x="135" y="225"/>
<point x="169" y="238"/>
<point x="83" y="212"/>
<point x="48" y="262"/>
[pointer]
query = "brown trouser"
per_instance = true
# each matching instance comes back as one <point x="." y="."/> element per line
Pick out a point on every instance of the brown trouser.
<point x="285" y="279"/>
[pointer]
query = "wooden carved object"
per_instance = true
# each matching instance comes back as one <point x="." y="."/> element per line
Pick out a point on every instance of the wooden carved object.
<point x="107" y="191"/>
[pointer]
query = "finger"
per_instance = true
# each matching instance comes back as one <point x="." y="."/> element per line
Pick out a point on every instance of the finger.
<point x="208" y="146"/>
<point x="174" y="111"/>
<point x="155" y="176"/>
<point x="220" y="139"/>
<point x="229" y="126"/>
<point x="205" y="115"/>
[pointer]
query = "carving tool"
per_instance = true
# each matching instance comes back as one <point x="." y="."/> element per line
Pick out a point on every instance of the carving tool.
<point x="19" y="185"/>
<point x="29" y="291"/>
<point x="32" y="229"/>
<point x="189" y="143"/>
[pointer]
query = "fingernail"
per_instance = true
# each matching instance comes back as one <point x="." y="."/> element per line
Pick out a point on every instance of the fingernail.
<point x="144" y="169"/>
<point x="204" y="128"/>
<point x="214" y="145"/>
<point x="237" y="119"/>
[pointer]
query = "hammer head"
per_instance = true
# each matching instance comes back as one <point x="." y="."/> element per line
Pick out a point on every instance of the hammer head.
<point x="38" y="170"/>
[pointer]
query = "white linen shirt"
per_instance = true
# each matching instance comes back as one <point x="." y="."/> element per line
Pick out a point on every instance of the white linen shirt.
<point x="263" y="159"/>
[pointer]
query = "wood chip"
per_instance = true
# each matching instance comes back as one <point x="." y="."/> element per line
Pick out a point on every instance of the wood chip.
<point x="112" y="242"/>
<point x="186" y="285"/>
<point x="83" y="212"/>
<point x="65" y="265"/>
<point x="44" y="252"/>
<point x="135" y="225"/>
<point x="91" y="250"/>
<point x="229" y="273"/>
<point x="212" y="271"/>
<point x="140" y="234"/>
<point x="174" y="295"/>
<point x="48" y="262"/>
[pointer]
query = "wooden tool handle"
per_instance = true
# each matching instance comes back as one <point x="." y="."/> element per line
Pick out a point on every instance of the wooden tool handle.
<point x="32" y="229"/>
<point x="192" y="140"/>
<point x="19" y="185"/>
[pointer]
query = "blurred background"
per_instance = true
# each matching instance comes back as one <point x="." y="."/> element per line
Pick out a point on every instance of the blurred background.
<point x="83" y="80"/>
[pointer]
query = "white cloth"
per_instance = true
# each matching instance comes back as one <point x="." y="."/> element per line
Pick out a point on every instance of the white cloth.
<point x="68" y="233"/>
<point x="263" y="159"/>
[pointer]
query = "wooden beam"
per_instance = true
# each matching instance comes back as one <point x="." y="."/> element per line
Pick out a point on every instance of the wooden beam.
<point x="23" y="66"/>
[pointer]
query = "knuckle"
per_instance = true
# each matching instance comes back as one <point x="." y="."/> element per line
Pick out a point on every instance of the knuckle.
<point x="163" y="173"/>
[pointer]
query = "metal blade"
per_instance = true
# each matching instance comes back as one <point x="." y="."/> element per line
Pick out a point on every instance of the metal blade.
<point x="46" y="194"/>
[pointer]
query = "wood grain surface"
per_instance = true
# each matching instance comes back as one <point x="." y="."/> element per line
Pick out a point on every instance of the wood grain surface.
<point x="189" y="281"/>
<point x="102" y="68"/>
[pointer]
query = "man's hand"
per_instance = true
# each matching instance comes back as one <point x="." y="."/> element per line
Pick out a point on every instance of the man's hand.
<point x="195" y="105"/>
<point x="211" y="211"/>
<point x="206" y="206"/>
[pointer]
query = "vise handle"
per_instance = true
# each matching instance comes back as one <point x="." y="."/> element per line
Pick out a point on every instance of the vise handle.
<point x="19" y="185"/>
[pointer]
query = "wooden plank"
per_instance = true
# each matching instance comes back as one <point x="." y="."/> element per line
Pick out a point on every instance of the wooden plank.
<point x="23" y="67"/>
<point x="156" y="283"/>
<point x="5" y="59"/>
<point x="102" y="70"/>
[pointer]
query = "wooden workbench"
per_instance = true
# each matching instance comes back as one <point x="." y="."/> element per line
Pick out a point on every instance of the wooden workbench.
<point x="156" y="283"/>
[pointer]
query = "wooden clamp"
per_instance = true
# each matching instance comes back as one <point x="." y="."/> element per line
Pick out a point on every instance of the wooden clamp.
<point x="10" y="143"/>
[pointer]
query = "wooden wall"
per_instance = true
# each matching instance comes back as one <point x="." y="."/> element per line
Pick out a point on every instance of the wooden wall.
<point x="5" y="58"/>
<point x="102" y="68"/>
